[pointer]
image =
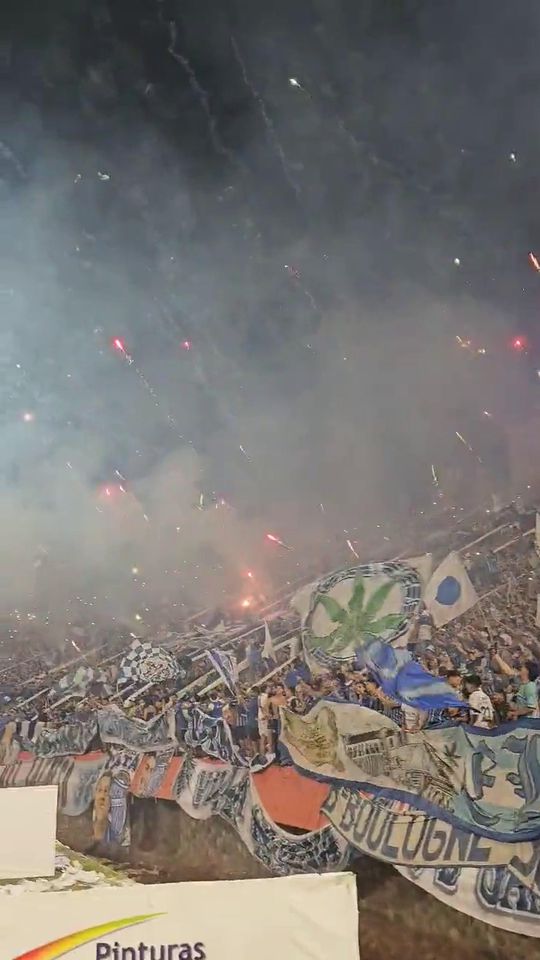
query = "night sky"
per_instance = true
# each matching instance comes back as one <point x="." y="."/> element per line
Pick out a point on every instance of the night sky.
<point x="286" y="265"/>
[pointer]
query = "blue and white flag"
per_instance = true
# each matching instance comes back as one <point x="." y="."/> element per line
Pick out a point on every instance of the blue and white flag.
<point x="146" y="663"/>
<point x="73" y="684"/>
<point x="226" y="666"/>
<point x="268" y="651"/>
<point x="450" y="592"/>
<point x="405" y="680"/>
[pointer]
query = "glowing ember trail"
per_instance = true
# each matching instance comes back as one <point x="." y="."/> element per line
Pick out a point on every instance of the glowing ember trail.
<point x="280" y="543"/>
<point x="351" y="548"/>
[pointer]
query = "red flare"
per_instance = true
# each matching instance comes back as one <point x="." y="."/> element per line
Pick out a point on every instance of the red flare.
<point x="120" y="347"/>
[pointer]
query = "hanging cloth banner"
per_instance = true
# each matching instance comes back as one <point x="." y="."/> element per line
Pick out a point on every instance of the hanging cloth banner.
<point x="400" y="834"/>
<point x="485" y="781"/>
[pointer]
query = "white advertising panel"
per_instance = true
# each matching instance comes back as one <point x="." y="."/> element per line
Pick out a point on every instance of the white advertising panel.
<point x="293" y="917"/>
<point x="27" y="832"/>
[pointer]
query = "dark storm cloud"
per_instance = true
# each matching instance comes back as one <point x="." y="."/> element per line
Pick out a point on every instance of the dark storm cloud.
<point x="158" y="174"/>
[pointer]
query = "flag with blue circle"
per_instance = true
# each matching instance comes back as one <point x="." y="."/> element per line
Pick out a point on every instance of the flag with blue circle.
<point x="450" y="592"/>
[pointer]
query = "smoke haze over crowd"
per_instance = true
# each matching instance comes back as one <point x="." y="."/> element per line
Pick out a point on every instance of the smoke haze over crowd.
<point x="287" y="267"/>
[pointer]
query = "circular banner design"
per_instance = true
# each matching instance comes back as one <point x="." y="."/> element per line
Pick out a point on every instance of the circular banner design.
<point x="353" y="607"/>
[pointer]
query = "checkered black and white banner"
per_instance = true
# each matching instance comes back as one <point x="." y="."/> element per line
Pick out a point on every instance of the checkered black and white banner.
<point x="147" y="663"/>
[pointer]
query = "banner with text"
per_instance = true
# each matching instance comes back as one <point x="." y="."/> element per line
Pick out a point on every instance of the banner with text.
<point x="318" y="918"/>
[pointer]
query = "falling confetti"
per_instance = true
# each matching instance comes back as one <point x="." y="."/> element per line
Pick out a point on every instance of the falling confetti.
<point x="28" y="417"/>
<point x="186" y="345"/>
<point x="434" y="476"/>
<point x="103" y="176"/>
<point x="512" y="157"/>
<point x="457" y="262"/>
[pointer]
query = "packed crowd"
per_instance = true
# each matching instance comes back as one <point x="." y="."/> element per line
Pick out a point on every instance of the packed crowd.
<point x="489" y="656"/>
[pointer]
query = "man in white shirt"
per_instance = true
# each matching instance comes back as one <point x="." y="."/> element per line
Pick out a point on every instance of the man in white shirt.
<point x="264" y="711"/>
<point x="481" y="709"/>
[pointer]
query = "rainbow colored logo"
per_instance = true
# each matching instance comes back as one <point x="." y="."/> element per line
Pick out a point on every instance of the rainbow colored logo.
<point x="59" y="948"/>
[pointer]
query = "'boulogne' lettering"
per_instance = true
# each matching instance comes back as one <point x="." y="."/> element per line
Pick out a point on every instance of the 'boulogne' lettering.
<point x="407" y="838"/>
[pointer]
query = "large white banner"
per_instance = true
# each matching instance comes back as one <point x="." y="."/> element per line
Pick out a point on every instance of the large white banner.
<point x="27" y="832"/>
<point x="293" y="917"/>
<point x="494" y="895"/>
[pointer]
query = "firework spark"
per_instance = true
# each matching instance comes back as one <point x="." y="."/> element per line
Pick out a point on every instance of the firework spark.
<point x="467" y="444"/>
<point x="270" y="128"/>
<point x="202" y="96"/>
<point x="273" y="539"/>
<point x="534" y="261"/>
<point x="351" y="548"/>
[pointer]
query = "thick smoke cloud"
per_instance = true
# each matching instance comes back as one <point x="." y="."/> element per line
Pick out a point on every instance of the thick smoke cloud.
<point x="165" y="184"/>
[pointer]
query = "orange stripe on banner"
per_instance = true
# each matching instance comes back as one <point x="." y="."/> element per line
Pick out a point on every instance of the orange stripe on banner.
<point x="166" y="790"/>
<point x="291" y="799"/>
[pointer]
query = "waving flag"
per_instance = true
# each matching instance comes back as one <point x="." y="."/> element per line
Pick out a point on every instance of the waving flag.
<point x="147" y="663"/>
<point x="268" y="651"/>
<point x="370" y="606"/>
<point x="73" y="684"/>
<point x="226" y="666"/>
<point x="450" y="592"/>
<point x="423" y="564"/>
